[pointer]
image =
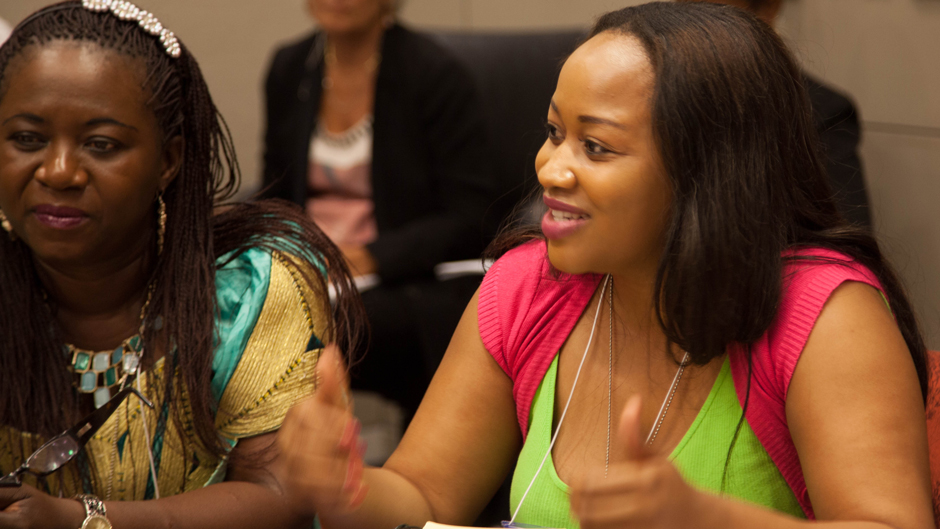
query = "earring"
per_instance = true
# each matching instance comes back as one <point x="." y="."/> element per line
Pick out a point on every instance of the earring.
<point x="7" y="226"/>
<point x="161" y="223"/>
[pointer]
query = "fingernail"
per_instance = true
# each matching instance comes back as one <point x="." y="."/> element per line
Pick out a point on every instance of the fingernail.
<point x="350" y="434"/>
<point x="347" y="482"/>
<point x="353" y="475"/>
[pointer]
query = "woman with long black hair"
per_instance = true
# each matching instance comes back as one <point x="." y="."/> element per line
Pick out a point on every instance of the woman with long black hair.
<point x="693" y="338"/>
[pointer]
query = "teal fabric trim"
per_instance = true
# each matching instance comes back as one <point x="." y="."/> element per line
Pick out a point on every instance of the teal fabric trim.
<point x="156" y="449"/>
<point x="241" y="288"/>
<point x="220" y="472"/>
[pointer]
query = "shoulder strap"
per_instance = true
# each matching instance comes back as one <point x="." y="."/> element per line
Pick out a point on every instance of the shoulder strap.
<point x="526" y="312"/>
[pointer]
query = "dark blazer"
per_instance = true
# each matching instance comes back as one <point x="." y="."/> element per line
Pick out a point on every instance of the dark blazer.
<point x="430" y="178"/>
<point x="839" y="132"/>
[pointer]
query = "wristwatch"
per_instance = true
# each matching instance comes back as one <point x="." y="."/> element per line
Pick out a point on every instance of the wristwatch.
<point x="95" y="513"/>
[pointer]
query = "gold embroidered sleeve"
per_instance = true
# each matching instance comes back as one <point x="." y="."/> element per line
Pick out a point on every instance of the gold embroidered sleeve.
<point x="276" y="370"/>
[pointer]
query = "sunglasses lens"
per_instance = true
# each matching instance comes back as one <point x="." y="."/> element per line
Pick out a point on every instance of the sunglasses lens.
<point x="53" y="455"/>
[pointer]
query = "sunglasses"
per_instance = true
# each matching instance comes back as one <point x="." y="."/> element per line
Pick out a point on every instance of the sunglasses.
<point x="61" y="449"/>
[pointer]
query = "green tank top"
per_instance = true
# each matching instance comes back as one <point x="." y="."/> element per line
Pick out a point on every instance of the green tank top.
<point x="700" y="457"/>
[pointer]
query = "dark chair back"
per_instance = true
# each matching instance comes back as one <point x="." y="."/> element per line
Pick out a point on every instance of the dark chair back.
<point x="516" y="75"/>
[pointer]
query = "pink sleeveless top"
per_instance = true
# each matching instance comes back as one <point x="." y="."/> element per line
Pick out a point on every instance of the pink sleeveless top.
<point x="526" y="313"/>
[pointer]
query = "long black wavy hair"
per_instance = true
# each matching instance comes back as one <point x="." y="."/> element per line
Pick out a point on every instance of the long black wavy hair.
<point x="735" y="130"/>
<point x="36" y="389"/>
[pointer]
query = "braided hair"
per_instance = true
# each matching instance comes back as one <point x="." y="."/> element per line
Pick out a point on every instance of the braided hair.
<point x="36" y="390"/>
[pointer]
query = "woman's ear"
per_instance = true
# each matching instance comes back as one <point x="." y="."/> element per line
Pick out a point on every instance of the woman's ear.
<point x="173" y="151"/>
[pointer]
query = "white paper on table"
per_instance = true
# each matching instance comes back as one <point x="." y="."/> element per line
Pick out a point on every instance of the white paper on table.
<point x="362" y="283"/>
<point x="432" y="525"/>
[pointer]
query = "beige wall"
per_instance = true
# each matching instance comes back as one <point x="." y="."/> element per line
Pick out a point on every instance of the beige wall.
<point x="884" y="52"/>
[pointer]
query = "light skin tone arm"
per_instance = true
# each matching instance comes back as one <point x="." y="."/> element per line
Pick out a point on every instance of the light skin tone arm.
<point x="458" y="449"/>
<point x="856" y="416"/>
<point x="858" y="427"/>
<point x="251" y="497"/>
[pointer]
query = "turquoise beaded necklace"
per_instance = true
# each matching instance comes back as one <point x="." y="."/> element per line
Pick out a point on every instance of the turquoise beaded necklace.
<point x="99" y="372"/>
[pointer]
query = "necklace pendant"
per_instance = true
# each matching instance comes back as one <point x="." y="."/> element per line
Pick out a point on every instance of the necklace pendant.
<point x="102" y="396"/>
<point x="97" y="372"/>
<point x="131" y="363"/>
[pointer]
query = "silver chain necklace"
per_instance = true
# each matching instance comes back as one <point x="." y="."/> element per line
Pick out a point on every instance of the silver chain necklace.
<point x="608" y="283"/>
<point x="667" y="401"/>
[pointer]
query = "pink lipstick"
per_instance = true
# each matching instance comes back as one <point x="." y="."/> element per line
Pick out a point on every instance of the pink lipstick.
<point x="59" y="217"/>
<point x="561" y="219"/>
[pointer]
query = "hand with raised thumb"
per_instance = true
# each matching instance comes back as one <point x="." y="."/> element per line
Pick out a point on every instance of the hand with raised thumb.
<point x="630" y="443"/>
<point x="320" y="462"/>
<point x="640" y="489"/>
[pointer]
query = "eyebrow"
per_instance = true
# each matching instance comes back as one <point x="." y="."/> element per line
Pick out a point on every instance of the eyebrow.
<point x="28" y="117"/>
<point x="33" y="118"/>
<point x="109" y="121"/>
<point x="594" y="119"/>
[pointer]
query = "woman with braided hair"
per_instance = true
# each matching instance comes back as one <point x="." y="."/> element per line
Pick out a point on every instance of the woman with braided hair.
<point x="119" y="272"/>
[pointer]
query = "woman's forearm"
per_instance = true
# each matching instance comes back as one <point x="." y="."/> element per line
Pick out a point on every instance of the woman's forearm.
<point x="228" y="505"/>
<point x="729" y="513"/>
<point x="390" y="501"/>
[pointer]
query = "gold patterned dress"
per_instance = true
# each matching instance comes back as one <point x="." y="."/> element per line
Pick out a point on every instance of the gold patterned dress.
<point x="270" y="325"/>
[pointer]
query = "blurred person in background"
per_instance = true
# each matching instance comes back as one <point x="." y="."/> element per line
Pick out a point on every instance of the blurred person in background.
<point x="836" y="123"/>
<point x="378" y="133"/>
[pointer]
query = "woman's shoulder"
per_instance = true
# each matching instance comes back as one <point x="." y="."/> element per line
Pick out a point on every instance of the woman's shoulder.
<point x="248" y="271"/>
<point x="275" y="274"/>
<point x="272" y="321"/>
<point x="522" y="273"/>
<point x="814" y="260"/>
<point x="266" y="299"/>
<point x="525" y="312"/>
<point x="521" y="291"/>
<point x="294" y="52"/>
<point x="811" y="275"/>
<point x="763" y="370"/>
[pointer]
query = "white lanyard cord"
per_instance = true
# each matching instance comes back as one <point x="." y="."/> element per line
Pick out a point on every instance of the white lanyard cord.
<point x="153" y="467"/>
<point x="577" y="375"/>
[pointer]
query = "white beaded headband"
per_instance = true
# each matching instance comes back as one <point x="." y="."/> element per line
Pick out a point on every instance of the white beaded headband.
<point x="148" y="22"/>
